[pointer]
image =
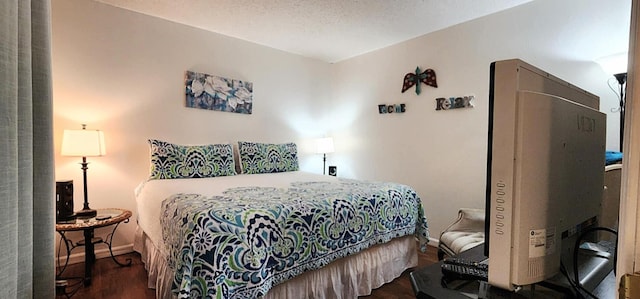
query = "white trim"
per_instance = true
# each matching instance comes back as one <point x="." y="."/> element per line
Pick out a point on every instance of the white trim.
<point x="78" y="257"/>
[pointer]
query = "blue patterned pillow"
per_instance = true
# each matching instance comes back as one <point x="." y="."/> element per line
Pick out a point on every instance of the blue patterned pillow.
<point x="267" y="157"/>
<point x="172" y="161"/>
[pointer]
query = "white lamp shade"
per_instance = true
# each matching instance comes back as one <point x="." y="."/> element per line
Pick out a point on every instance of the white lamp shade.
<point x="614" y="64"/>
<point x="324" y="145"/>
<point x="83" y="143"/>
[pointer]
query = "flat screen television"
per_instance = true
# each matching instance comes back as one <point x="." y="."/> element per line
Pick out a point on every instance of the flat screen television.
<point x="545" y="171"/>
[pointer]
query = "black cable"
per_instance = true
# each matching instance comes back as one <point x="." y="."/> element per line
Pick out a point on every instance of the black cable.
<point x="575" y="255"/>
<point x="74" y="284"/>
<point x="564" y="272"/>
<point x="622" y="80"/>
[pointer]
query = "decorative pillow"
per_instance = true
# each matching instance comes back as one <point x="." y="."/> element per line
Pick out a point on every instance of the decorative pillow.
<point x="267" y="157"/>
<point x="172" y="161"/>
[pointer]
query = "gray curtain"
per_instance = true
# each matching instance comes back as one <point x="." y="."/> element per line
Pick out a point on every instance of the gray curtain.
<point x="27" y="224"/>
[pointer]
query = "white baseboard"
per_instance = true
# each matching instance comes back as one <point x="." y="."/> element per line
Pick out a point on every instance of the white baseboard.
<point x="434" y="242"/>
<point x="78" y="256"/>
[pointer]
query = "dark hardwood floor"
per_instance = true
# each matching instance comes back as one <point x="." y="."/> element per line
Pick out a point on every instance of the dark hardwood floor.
<point x="109" y="280"/>
<point x="112" y="281"/>
<point x="401" y="286"/>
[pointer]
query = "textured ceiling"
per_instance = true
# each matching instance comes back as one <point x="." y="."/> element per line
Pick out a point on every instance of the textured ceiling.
<point x="328" y="30"/>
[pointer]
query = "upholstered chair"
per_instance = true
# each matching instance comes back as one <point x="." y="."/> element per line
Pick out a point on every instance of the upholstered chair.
<point x="465" y="233"/>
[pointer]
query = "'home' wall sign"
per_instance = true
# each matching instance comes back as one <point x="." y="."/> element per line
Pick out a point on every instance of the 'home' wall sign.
<point x="397" y="108"/>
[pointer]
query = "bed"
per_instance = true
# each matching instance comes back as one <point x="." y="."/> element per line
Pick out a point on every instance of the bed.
<point x="269" y="234"/>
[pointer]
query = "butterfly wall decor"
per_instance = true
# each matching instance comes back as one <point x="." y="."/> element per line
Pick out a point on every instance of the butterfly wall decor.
<point x="427" y="77"/>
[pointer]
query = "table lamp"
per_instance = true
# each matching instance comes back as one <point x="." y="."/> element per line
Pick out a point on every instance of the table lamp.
<point x="324" y="146"/>
<point x="83" y="143"/>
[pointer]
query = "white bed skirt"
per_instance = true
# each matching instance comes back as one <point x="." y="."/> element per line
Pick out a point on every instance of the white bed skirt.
<point x="348" y="277"/>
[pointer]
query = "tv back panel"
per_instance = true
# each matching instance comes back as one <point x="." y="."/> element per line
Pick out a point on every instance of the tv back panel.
<point x="544" y="170"/>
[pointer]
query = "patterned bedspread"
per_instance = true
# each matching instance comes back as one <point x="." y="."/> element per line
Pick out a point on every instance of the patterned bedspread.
<point x="240" y="244"/>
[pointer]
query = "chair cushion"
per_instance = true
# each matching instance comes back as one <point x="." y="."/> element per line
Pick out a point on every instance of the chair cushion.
<point x="457" y="242"/>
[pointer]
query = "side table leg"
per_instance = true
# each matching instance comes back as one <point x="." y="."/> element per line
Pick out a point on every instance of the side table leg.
<point x="109" y="239"/>
<point x="89" y="256"/>
<point x="69" y="248"/>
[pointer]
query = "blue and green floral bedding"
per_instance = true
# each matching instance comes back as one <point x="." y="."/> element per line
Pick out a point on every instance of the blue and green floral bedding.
<point x="249" y="239"/>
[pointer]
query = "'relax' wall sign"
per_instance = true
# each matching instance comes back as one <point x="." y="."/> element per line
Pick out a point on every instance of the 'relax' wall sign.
<point x="454" y="102"/>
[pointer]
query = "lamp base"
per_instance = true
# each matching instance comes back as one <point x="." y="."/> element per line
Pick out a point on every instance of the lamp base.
<point x="86" y="213"/>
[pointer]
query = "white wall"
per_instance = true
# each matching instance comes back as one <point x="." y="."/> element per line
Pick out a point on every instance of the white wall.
<point x="442" y="154"/>
<point x="123" y="72"/>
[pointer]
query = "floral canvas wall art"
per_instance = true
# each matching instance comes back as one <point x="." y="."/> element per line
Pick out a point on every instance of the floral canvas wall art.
<point x="210" y="92"/>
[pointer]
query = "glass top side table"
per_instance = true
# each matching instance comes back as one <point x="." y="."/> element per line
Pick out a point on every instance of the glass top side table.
<point x="105" y="217"/>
